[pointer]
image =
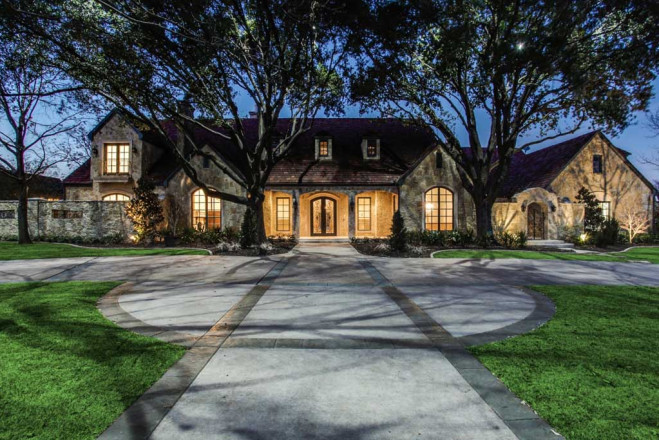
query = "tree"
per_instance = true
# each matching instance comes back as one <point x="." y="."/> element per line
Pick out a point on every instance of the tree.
<point x="398" y="237"/>
<point x="38" y="105"/>
<point x="144" y="210"/>
<point x="634" y="222"/>
<point x="498" y="70"/>
<point x="653" y="125"/>
<point x="194" y="63"/>
<point x="593" y="217"/>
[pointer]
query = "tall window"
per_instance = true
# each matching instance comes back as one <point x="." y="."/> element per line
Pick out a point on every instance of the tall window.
<point x="117" y="158"/>
<point x="597" y="164"/>
<point x="371" y="148"/>
<point x="363" y="213"/>
<point x="439" y="210"/>
<point x="323" y="148"/>
<point x="116" y="198"/>
<point x="606" y="209"/>
<point x="206" y="211"/>
<point x="283" y="214"/>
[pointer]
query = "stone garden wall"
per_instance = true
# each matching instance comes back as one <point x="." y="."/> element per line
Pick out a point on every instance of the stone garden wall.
<point x="67" y="220"/>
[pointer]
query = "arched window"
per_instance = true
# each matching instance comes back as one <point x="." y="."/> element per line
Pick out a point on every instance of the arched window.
<point x="116" y="198"/>
<point x="206" y="211"/>
<point x="439" y="209"/>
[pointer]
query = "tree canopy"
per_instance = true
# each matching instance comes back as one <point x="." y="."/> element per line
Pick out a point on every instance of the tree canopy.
<point x="519" y="66"/>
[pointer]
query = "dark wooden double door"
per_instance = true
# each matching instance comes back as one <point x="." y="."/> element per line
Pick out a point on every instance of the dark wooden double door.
<point x="323" y="217"/>
<point x="536" y="222"/>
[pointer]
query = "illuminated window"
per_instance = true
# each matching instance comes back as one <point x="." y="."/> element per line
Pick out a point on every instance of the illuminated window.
<point x="323" y="148"/>
<point x="283" y="214"/>
<point x="606" y="209"/>
<point x="363" y="213"/>
<point x="117" y="158"/>
<point x="439" y="210"/>
<point x="206" y="211"/>
<point x="116" y="198"/>
<point x="371" y="148"/>
<point x="597" y="164"/>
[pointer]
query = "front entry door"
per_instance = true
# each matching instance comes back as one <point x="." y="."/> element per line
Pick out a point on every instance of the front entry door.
<point x="536" y="222"/>
<point x="323" y="216"/>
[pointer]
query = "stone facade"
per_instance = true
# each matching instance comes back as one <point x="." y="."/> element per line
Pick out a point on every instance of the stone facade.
<point x="427" y="175"/>
<point x="69" y="219"/>
<point x="617" y="183"/>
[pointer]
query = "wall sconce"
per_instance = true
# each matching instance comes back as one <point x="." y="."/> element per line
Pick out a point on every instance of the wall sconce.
<point x="552" y="206"/>
<point x="95" y="152"/>
<point x="134" y="150"/>
<point x="352" y="204"/>
<point x="294" y="203"/>
<point x="524" y="206"/>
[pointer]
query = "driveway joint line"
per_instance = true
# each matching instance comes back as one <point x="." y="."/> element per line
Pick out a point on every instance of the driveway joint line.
<point x="84" y="263"/>
<point x="494" y="393"/>
<point x="158" y="400"/>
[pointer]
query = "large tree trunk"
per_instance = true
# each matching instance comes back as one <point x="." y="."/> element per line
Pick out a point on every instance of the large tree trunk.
<point x="483" y="218"/>
<point x="260" y="222"/>
<point x="23" y="230"/>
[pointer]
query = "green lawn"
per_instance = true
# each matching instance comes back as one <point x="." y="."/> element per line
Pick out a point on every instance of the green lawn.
<point x="592" y="371"/>
<point x="65" y="371"/>
<point x="650" y="254"/>
<point x="13" y="251"/>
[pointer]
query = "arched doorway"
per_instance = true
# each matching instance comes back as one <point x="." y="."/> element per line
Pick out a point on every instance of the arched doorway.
<point x="323" y="216"/>
<point x="536" y="222"/>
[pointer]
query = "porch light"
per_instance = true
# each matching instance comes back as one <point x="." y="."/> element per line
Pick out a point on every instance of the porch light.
<point x="95" y="152"/>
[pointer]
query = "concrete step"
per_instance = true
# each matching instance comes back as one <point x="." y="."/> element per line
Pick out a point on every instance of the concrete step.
<point x="559" y="244"/>
<point x="325" y="240"/>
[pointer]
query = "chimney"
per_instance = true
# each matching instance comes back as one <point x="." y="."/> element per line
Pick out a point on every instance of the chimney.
<point x="185" y="108"/>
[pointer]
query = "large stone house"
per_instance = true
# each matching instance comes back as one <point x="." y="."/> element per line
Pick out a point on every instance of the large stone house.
<point x="345" y="177"/>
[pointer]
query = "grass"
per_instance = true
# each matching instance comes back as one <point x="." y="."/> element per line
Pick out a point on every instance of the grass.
<point x="14" y="251"/>
<point x="650" y="254"/>
<point x="592" y="371"/>
<point x="67" y="372"/>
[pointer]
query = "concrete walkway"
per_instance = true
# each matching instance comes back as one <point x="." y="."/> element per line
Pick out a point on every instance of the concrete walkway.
<point x="324" y="343"/>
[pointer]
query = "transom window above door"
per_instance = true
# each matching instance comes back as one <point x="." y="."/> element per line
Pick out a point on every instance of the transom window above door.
<point x="206" y="211"/>
<point x="117" y="158"/>
<point x="116" y="198"/>
<point x="439" y="209"/>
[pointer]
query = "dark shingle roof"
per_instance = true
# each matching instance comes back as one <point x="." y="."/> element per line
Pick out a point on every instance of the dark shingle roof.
<point x="81" y="175"/>
<point x="540" y="168"/>
<point x="40" y="187"/>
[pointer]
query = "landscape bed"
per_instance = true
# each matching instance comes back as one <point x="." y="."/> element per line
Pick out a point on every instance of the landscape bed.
<point x="592" y="371"/>
<point x="67" y="372"/>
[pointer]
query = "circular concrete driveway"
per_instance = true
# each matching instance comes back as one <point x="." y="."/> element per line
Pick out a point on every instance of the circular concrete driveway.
<point x="324" y="343"/>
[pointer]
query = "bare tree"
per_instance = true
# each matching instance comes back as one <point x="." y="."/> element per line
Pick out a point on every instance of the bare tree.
<point x="653" y="124"/>
<point x="36" y="110"/>
<point x="634" y="222"/>
<point x="210" y="56"/>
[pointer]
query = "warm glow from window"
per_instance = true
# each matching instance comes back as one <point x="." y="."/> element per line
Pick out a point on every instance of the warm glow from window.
<point x="371" y="148"/>
<point x="606" y="209"/>
<point x="363" y="213"/>
<point x="206" y="211"/>
<point x="117" y="158"/>
<point x="283" y="214"/>
<point x="323" y="148"/>
<point x="439" y="210"/>
<point x="116" y="198"/>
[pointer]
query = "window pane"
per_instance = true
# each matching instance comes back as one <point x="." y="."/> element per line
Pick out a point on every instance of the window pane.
<point x="371" y="148"/>
<point x="214" y="216"/>
<point x="111" y="159"/>
<point x="439" y="210"/>
<point x="323" y="148"/>
<point x="124" y="159"/>
<point x="606" y="209"/>
<point x="283" y="215"/>
<point x="363" y="213"/>
<point x="206" y="211"/>
<point x="116" y="198"/>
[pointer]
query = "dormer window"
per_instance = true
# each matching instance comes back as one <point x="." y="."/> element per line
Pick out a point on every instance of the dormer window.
<point x="371" y="148"/>
<point x="323" y="148"/>
<point x="117" y="158"/>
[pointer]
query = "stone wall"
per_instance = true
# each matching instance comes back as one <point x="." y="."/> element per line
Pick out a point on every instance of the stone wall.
<point x="617" y="183"/>
<point x="561" y="216"/>
<point x="426" y="176"/>
<point x="67" y="219"/>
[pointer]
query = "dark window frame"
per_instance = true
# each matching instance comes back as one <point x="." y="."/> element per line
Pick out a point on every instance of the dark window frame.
<point x="118" y="160"/>
<point x="287" y="211"/>
<point x="361" y="211"/>
<point x="598" y="164"/>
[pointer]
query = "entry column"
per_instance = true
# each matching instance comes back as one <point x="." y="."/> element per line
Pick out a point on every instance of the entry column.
<point x="351" y="214"/>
